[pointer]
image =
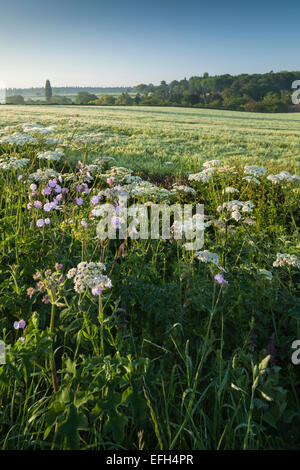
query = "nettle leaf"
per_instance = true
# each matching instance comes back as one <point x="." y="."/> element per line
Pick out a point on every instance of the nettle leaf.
<point x="126" y="394"/>
<point x="71" y="366"/>
<point x="139" y="406"/>
<point x="115" y="424"/>
<point x="75" y="421"/>
<point x="54" y="414"/>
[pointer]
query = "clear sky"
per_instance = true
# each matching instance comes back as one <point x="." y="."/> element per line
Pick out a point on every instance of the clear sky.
<point x="126" y="42"/>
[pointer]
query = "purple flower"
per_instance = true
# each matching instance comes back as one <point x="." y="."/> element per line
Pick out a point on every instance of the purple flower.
<point x="22" y="324"/>
<point x="47" y="221"/>
<point x="52" y="183"/>
<point x="37" y="204"/>
<point x="57" y="189"/>
<point x="59" y="197"/>
<point x="79" y="201"/>
<point x="65" y="190"/>
<point x="33" y="187"/>
<point x="86" y="189"/>
<point x="96" y="290"/>
<point x="40" y="286"/>
<point x="95" y="200"/>
<point x="47" y="207"/>
<point x="19" y="324"/>
<point x="115" y="222"/>
<point x="53" y="204"/>
<point x="78" y="188"/>
<point x="20" y="177"/>
<point x="46" y="299"/>
<point x="47" y="190"/>
<point x="40" y="222"/>
<point x="83" y="223"/>
<point x="220" y="279"/>
<point x="30" y="292"/>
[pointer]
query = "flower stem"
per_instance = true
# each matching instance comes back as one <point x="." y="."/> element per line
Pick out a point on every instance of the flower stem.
<point x="100" y="317"/>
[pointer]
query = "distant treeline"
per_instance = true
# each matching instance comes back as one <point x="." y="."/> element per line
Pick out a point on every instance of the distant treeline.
<point x="270" y="92"/>
<point x="40" y="91"/>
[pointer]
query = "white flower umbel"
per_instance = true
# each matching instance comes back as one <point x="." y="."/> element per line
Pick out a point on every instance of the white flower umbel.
<point x="254" y="170"/>
<point x="18" y="139"/>
<point x="51" y="155"/>
<point x="38" y="129"/>
<point x="201" y="177"/>
<point x="284" y="259"/>
<point x="236" y="207"/>
<point x="89" y="276"/>
<point x="181" y="188"/>
<point x="251" y="179"/>
<point x="230" y="190"/>
<point x="207" y="257"/>
<point x="283" y="177"/>
<point x="13" y="163"/>
<point x="212" y="163"/>
<point x="43" y="175"/>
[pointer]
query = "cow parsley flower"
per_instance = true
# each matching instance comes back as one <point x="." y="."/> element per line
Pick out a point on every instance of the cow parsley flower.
<point x="212" y="163"/>
<point x="89" y="276"/>
<point x="283" y="177"/>
<point x="13" y="163"/>
<point x="201" y="177"/>
<point x="254" y="170"/>
<point x="284" y="259"/>
<point x="207" y="257"/>
<point x="18" y="139"/>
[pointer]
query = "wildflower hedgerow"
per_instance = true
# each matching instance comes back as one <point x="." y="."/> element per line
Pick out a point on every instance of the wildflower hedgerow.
<point x="105" y="337"/>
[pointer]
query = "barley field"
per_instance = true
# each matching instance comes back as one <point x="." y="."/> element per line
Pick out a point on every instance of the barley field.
<point x="130" y="343"/>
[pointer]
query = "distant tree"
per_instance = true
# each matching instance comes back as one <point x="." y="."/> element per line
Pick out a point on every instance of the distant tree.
<point x="48" y="90"/>
<point x="137" y="98"/>
<point x="252" y="106"/>
<point x="105" y="100"/>
<point x="15" y="99"/>
<point x="273" y="104"/>
<point x="124" y="100"/>
<point x="83" y="97"/>
<point x="190" y="98"/>
<point x="58" y="99"/>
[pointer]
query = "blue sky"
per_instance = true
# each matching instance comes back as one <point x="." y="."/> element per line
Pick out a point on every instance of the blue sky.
<point x="111" y="43"/>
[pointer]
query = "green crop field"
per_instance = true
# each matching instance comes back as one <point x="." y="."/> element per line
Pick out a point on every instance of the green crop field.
<point x="148" y="137"/>
<point x="124" y="342"/>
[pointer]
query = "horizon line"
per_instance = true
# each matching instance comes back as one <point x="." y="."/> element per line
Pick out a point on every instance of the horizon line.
<point x="148" y="83"/>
